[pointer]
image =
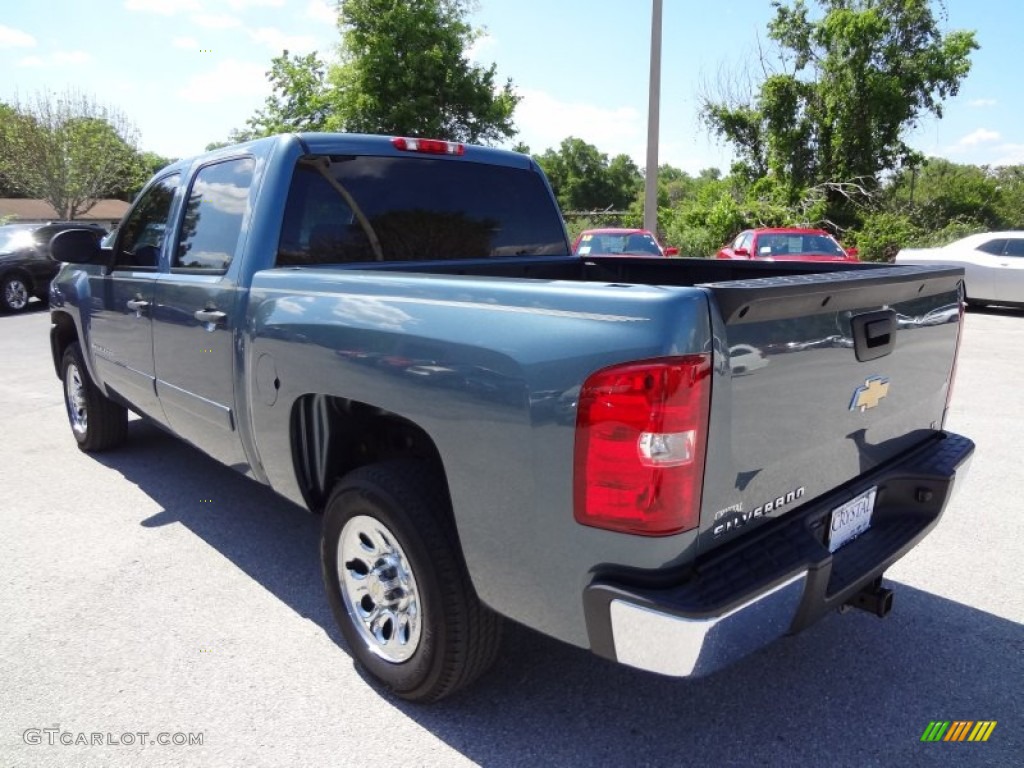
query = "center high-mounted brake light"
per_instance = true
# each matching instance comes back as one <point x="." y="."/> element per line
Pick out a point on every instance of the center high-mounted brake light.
<point x="641" y="430"/>
<point x="429" y="146"/>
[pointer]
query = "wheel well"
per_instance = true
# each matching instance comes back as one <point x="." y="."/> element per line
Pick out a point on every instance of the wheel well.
<point x="64" y="335"/>
<point x="332" y="435"/>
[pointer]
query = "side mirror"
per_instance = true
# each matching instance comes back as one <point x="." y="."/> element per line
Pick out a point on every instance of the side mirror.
<point x="853" y="253"/>
<point x="672" y="251"/>
<point x="78" y="246"/>
<point x="741" y="252"/>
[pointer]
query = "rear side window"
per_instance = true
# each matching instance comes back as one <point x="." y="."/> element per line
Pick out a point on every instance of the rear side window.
<point x="212" y="221"/>
<point x="1015" y="247"/>
<point x="345" y="209"/>
<point x="994" y="247"/>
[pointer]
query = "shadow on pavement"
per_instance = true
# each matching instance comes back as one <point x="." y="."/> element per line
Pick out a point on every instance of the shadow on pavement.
<point x="853" y="690"/>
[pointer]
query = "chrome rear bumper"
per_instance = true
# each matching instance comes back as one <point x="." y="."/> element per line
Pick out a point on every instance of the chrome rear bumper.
<point x="775" y="581"/>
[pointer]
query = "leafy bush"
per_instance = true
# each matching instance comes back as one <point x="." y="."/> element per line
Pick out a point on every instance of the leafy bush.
<point x="954" y="230"/>
<point x="883" y="234"/>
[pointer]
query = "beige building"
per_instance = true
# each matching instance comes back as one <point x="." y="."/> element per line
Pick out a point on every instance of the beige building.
<point x="106" y="213"/>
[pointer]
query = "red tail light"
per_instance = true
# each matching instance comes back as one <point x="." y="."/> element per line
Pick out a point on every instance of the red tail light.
<point x="429" y="146"/>
<point x="641" y="430"/>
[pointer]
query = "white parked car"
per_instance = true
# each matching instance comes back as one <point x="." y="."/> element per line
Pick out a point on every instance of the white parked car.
<point x="993" y="265"/>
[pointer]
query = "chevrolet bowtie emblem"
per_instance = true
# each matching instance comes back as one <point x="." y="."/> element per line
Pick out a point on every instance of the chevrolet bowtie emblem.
<point x="870" y="394"/>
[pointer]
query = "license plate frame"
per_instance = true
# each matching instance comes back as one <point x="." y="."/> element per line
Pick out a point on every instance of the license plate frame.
<point x="848" y="521"/>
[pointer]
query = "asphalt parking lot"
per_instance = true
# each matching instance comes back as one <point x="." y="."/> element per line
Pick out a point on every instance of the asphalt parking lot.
<point x="153" y="591"/>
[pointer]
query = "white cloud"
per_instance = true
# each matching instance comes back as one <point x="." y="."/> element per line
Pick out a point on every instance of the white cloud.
<point x="278" y="41"/>
<point x="974" y="139"/>
<point x="1010" y="154"/>
<point x="185" y="42"/>
<point x="32" y="61"/>
<point x="230" y="78"/>
<point x="15" y="38"/>
<point x="161" y="7"/>
<point x="982" y="102"/>
<point x="224" y="197"/>
<point x="241" y="5"/>
<point x="216" y="21"/>
<point x="322" y="11"/>
<point x="480" y="46"/>
<point x="543" y="122"/>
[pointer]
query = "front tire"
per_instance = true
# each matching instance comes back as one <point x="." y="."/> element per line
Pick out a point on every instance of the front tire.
<point x="14" y="293"/>
<point x="97" y="422"/>
<point x="397" y="584"/>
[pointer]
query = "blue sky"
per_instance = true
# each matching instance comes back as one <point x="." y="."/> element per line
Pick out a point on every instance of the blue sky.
<point x="186" y="72"/>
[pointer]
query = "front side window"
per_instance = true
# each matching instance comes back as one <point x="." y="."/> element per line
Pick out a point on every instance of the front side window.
<point x="142" y="234"/>
<point x="212" y="222"/>
<point x="345" y="208"/>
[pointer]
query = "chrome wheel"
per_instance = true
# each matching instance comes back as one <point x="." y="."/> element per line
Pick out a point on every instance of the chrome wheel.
<point x="74" y="397"/>
<point x="15" y="293"/>
<point x="379" y="589"/>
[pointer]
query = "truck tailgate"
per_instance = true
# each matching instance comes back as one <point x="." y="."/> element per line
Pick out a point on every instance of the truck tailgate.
<point x="821" y="378"/>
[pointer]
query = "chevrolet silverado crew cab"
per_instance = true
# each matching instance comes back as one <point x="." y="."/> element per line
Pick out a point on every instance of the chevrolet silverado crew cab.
<point x="395" y="333"/>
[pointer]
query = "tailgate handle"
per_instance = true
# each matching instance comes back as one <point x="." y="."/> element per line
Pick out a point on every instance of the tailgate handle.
<point x="874" y="334"/>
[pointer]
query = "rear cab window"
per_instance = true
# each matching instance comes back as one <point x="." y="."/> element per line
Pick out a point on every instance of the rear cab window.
<point x="350" y="209"/>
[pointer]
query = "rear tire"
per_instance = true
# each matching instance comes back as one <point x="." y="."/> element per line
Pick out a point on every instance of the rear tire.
<point x="398" y="586"/>
<point x="97" y="422"/>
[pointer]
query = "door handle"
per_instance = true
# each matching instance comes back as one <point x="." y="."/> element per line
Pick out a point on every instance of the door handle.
<point x="138" y="306"/>
<point x="210" y="316"/>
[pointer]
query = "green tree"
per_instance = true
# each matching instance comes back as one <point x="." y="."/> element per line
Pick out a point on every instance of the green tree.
<point x="941" y="191"/>
<point x="68" y="150"/>
<point x="404" y="71"/>
<point x="300" y="99"/>
<point x="1010" y="183"/>
<point x="7" y="189"/>
<point x="583" y="179"/>
<point x="849" y="86"/>
<point x="146" y="165"/>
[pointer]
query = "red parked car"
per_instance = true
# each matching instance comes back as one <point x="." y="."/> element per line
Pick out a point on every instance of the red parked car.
<point x="786" y="244"/>
<point x="619" y="242"/>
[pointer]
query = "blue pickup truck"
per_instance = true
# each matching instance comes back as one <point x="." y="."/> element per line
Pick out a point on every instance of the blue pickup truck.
<point x="671" y="462"/>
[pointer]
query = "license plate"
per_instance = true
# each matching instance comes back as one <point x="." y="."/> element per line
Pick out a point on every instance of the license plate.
<point x="851" y="519"/>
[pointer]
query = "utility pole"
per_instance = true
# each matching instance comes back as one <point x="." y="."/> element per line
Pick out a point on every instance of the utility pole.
<point x="653" y="118"/>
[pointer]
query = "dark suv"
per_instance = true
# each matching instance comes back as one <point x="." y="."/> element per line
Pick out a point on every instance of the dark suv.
<point x="25" y="266"/>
